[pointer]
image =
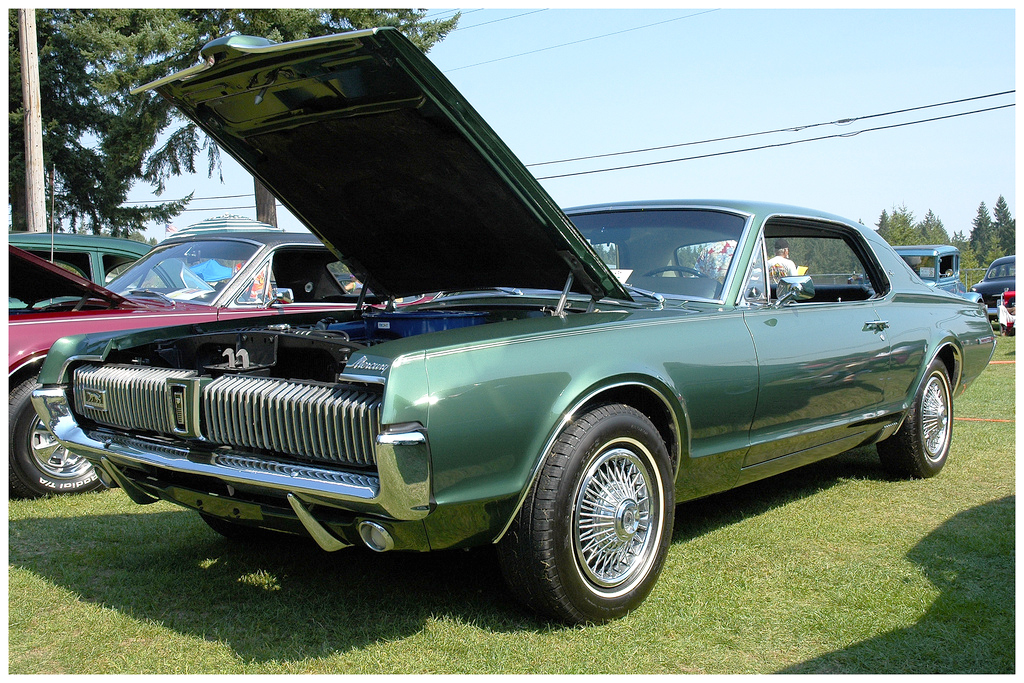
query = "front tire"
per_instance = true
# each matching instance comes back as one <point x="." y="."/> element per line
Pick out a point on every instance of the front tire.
<point x="39" y="465"/>
<point x="921" y="446"/>
<point x="592" y="535"/>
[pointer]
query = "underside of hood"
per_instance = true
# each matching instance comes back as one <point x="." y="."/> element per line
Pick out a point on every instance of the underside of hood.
<point x="371" y="147"/>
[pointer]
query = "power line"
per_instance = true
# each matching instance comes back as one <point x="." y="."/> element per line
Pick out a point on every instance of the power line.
<point x="709" y="155"/>
<point x="452" y="12"/>
<point x="577" y="42"/>
<point x="495" y="21"/>
<point x="791" y="129"/>
<point x="778" y="144"/>
<point x="201" y="199"/>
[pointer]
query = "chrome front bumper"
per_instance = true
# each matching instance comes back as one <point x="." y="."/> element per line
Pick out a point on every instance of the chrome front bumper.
<point x="399" y="490"/>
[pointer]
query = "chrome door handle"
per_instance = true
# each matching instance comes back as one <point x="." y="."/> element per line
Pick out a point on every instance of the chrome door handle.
<point x="876" y="325"/>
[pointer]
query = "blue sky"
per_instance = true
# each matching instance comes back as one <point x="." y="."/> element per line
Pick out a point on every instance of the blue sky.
<point x="555" y="85"/>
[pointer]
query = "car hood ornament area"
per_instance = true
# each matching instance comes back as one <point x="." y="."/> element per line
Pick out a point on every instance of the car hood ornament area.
<point x="373" y="149"/>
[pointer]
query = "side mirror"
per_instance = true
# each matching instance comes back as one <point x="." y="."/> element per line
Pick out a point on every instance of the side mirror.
<point x="284" y="295"/>
<point x="795" y="288"/>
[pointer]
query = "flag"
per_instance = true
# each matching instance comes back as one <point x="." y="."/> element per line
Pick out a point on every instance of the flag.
<point x="169" y="230"/>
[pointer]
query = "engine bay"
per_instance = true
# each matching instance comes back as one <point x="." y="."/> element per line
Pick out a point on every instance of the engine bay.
<point x="317" y="352"/>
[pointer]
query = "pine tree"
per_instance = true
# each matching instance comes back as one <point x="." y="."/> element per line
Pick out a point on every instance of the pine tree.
<point x="883" y="225"/>
<point x="932" y="230"/>
<point x="92" y="150"/>
<point x="981" y="234"/>
<point x="101" y="139"/>
<point x="1004" y="228"/>
<point x="900" y="228"/>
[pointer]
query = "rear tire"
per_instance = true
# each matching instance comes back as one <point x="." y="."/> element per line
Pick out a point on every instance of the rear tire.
<point x="920" y="448"/>
<point x="592" y="535"/>
<point x="38" y="464"/>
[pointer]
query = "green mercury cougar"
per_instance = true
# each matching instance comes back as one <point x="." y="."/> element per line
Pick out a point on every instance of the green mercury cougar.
<point x="572" y="377"/>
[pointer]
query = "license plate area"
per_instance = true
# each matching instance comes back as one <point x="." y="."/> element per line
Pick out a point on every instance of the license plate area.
<point x="228" y="508"/>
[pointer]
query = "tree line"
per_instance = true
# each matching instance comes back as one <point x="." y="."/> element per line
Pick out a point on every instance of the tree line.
<point x="99" y="140"/>
<point x="992" y="234"/>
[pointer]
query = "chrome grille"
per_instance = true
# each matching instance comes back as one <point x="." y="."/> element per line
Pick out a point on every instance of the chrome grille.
<point x="128" y="396"/>
<point x="327" y="423"/>
<point x="320" y="422"/>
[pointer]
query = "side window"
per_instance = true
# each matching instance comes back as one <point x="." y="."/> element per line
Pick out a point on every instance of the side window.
<point x="926" y="268"/>
<point x="838" y="262"/>
<point x="755" y="291"/>
<point x="947" y="265"/>
<point x="114" y="265"/>
<point x="76" y="262"/>
<point x="256" y="291"/>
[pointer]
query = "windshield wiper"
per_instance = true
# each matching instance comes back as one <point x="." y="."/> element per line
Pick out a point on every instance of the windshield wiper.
<point x="511" y="291"/>
<point x="151" y="293"/>
<point x="644" y="292"/>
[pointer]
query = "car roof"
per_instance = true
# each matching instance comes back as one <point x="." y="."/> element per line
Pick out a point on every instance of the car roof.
<point x="916" y="249"/>
<point x="750" y="207"/>
<point x="37" y="240"/>
<point x="268" y="237"/>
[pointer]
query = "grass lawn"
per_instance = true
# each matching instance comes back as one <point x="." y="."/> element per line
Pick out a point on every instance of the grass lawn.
<point x="831" y="568"/>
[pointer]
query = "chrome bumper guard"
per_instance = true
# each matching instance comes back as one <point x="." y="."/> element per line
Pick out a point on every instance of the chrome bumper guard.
<point x="400" y="489"/>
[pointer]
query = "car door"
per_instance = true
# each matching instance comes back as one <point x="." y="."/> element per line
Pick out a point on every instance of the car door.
<point x="822" y="362"/>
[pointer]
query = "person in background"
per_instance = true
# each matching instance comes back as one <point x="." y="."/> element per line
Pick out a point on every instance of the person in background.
<point x="779" y="266"/>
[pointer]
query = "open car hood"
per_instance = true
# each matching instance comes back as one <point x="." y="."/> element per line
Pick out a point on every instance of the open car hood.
<point x="371" y="147"/>
<point x="33" y="279"/>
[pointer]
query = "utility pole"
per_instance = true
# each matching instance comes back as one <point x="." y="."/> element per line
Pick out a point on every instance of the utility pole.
<point x="266" y="204"/>
<point x="35" y="184"/>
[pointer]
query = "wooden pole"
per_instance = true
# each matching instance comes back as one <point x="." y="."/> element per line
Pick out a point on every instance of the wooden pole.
<point x="266" y="204"/>
<point x="35" y="184"/>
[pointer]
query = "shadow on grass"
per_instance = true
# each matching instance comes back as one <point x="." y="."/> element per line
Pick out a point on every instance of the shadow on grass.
<point x="698" y="517"/>
<point x="970" y="559"/>
<point x="291" y="601"/>
<point x="286" y="602"/>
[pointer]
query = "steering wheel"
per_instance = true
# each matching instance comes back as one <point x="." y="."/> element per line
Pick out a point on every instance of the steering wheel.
<point x="676" y="269"/>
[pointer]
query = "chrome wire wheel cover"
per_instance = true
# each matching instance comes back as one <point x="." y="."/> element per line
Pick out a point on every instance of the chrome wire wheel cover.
<point x="936" y="424"/>
<point x="617" y="518"/>
<point x="51" y="458"/>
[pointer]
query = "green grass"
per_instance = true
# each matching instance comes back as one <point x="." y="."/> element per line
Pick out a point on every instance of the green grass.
<point x="831" y="568"/>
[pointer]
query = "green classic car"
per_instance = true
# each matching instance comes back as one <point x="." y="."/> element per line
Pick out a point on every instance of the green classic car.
<point x="574" y="376"/>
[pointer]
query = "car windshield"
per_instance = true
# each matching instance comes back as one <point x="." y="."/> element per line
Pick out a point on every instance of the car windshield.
<point x="1001" y="270"/>
<point x="187" y="271"/>
<point x="675" y="252"/>
<point x="924" y="266"/>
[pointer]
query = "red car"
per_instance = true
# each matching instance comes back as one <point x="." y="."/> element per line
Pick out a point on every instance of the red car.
<point x="182" y="281"/>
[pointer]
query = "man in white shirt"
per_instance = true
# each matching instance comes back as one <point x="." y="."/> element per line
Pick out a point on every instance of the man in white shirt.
<point x="779" y="266"/>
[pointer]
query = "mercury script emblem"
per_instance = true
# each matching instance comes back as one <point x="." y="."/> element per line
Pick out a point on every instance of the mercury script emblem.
<point x="363" y="364"/>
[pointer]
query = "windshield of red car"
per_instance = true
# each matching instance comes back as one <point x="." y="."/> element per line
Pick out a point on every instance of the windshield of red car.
<point x="188" y="271"/>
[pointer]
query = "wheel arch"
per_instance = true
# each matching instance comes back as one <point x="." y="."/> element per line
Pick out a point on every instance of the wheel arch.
<point x="647" y="395"/>
<point x="24" y="371"/>
<point x="668" y="415"/>
<point x="952" y="357"/>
